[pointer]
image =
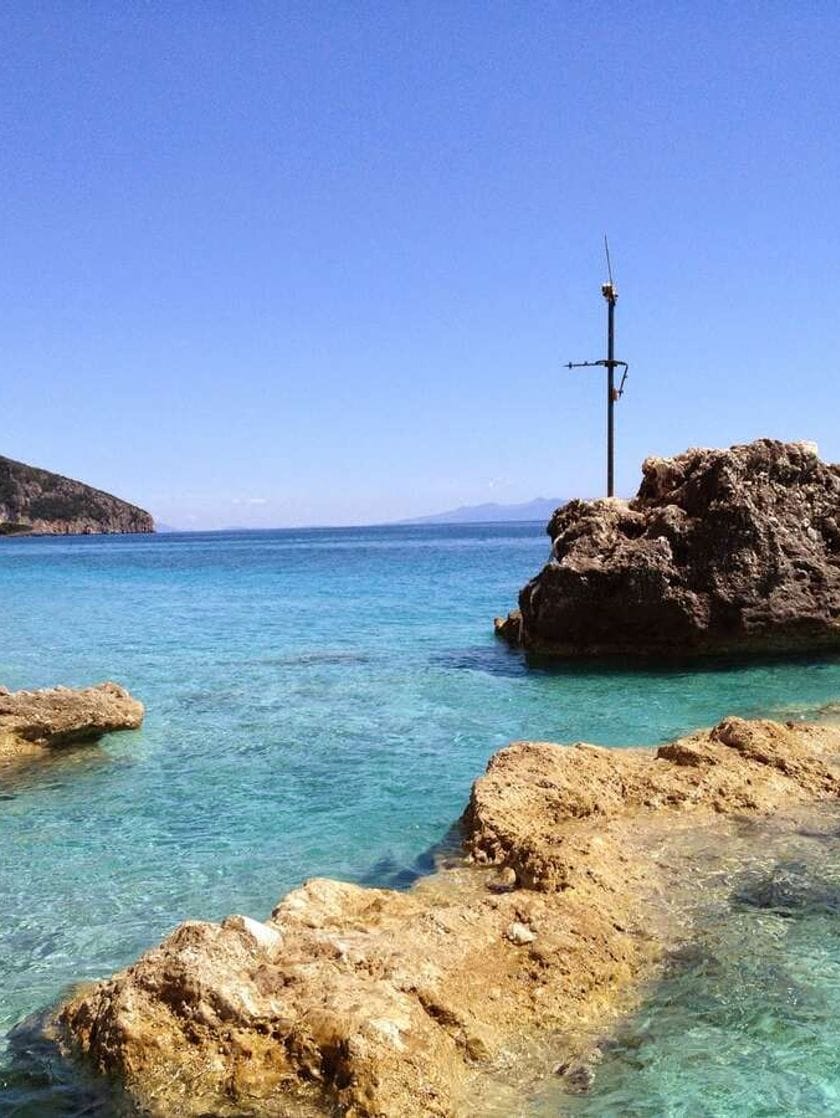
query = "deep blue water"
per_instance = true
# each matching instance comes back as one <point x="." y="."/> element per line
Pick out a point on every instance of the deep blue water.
<point x="318" y="702"/>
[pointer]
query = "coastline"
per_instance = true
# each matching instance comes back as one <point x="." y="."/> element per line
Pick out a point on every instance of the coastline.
<point x="424" y="1002"/>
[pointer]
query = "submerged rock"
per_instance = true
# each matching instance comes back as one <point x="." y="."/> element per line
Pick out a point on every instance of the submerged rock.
<point x="791" y="890"/>
<point x="370" y="1002"/>
<point x="37" y="721"/>
<point x="720" y="552"/>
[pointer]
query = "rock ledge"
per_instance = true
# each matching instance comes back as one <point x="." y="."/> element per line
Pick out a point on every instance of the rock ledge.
<point x="366" y="1002"/>
<point x="33" y="722"/>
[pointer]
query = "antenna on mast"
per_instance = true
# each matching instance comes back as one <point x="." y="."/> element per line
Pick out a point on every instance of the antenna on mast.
<point x="608" y="290"/>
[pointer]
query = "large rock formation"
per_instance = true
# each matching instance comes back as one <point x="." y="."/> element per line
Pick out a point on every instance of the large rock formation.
<point x="38" y="502"/>
<point x="721" y="551"/>
<point x="367" y="1002"/>
<point x="34" y="722"/>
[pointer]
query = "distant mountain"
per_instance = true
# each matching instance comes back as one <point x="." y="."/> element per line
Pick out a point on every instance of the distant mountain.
<point x="540" y="508"/>
<point x="37" y="502"/>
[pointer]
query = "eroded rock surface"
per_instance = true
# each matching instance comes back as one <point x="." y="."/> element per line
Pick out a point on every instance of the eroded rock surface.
<point x="32" y="722"/>
<point x="721" y="551"/>
<point x="368" y="1002"/>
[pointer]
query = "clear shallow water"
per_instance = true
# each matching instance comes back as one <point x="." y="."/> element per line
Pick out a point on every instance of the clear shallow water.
<point x="745" y="1022"/>
<point x="318" y="702"/>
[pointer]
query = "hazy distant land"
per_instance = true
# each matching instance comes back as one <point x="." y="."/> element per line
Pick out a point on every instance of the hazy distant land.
<point x="540" y="508"/>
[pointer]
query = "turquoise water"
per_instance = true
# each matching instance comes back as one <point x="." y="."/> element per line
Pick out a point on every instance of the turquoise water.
<point x="745" y="1021"/>
<point x="318" y="702"/>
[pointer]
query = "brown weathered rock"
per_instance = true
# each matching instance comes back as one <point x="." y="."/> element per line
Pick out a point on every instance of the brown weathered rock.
<point x="367" y="1002"/>
<point x="33" y="722"/>
<point x="38" y="502"/>
<point x="721" y="551"/>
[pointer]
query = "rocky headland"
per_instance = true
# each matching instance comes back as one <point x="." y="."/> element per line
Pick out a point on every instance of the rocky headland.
<point x="369" y="1002"/>
<point x="721" y="552"/>
<point x="38" y="502"/>
<point x="35" y="723"/>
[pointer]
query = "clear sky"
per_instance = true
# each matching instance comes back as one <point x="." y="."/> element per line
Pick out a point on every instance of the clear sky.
<point x="293" y="263"/>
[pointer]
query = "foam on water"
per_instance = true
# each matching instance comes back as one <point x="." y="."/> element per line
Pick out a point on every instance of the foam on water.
<point x="318" y="703"/>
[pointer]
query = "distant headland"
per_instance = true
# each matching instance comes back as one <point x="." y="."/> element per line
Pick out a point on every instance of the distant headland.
<point x="39" y="503"/>
<point x="541" y="508"/>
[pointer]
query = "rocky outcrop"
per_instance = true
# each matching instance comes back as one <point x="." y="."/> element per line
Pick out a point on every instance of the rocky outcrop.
<point x="37" y="502"/>
<point x="33" y="722"/>
<point x="368" y="1002"/>
<point x="721" y="551"/>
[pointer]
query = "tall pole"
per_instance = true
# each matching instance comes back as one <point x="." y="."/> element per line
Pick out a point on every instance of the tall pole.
<point x="610" y="295"/>
<point x="609" y="292"/>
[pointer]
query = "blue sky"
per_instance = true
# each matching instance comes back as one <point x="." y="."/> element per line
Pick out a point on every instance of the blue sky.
<point x="276" y="264"/>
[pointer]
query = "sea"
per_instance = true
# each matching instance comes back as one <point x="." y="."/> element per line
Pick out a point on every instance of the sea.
<point x="318" y="703"/>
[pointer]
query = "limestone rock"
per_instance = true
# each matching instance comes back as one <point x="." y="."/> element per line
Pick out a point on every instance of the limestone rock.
<point x="38" y="502"/>
<point x="520" y="933"/>
<point x="504" y="881"/>
<point x="37" y="721"/>
<point x="546" y="810"/>
<point x="721" y="551"/>
<point x="371" y="1003"/>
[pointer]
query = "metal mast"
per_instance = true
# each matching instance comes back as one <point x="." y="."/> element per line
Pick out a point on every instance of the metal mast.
<point x="608" y="290"/>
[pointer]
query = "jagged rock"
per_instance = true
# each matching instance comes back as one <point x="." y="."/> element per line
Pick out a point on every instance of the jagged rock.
<point x="32" y="722"/>
<point x="372" y="1003"/>
<point x="721" y="551"/>
<point x="38" y="502"/>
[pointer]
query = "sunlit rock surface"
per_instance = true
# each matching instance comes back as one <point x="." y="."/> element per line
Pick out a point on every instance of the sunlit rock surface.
<point x="369" y="1002"/>
<point x="721" y="551"/>
<point x="36" y="722"/>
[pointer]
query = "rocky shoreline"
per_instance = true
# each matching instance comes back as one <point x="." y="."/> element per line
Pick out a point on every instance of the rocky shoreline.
<point x="369" y="1002"/>
<point x="36" y="723"/>
<point x="721" y="552"/>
